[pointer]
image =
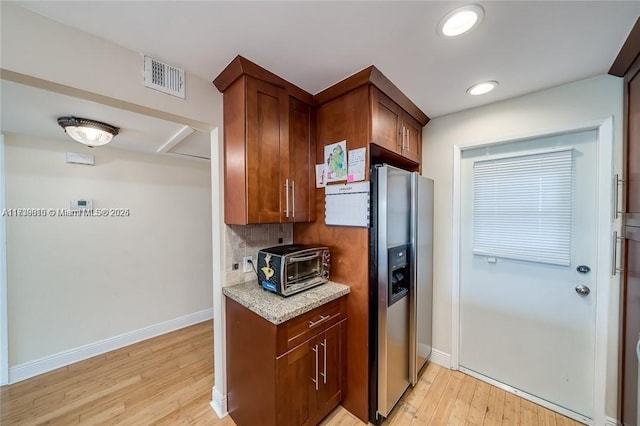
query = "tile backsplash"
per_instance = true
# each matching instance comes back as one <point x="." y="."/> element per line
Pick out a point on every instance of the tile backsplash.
<point x="246" y="240"/>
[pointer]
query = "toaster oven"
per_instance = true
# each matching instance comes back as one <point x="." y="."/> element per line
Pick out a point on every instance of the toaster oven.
<point x="292" y="268"/>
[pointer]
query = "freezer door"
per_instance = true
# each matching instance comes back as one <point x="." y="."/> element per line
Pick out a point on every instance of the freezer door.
<point x="394" y="229"/>
<point x="421" y="291"/>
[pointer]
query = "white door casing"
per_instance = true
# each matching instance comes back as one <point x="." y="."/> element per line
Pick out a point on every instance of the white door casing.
<point x="4" y="329"/>
<point x="599" y="279"/>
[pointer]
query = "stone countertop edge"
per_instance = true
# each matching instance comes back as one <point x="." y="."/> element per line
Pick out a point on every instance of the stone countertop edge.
<point x="277" y="309"/>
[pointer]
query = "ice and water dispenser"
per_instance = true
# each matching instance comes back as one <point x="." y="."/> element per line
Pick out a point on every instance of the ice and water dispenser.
<point x="399" y="273"/>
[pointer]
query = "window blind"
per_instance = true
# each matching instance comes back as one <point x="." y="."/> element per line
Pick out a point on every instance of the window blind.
<point x="522" y="207"/>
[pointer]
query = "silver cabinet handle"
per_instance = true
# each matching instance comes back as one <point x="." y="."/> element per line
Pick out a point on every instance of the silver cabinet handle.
<point x="408" y="139"/>
<point x="286" y="197"/>
<point x="404" y="138"/>
<point x="324" y="361"/>
<point x="293" y="198"/>
<point x="614" y="254"/>
<point x="323" y="318"/>
<point x="315" y="350"/>
<point x="616" y="185"/>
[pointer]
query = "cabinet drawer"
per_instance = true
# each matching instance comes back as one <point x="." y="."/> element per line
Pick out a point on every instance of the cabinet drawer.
<point x="301" y="328"/>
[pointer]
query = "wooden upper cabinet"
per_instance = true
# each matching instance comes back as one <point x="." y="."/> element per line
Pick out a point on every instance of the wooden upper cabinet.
<point x="386" y="120"/>
<point x="269" y="147"/>
<point x="393" y="128"/>
<point x="267" y="155"/>
<point x="413" y="138"/>
<point x="302" y="156"/>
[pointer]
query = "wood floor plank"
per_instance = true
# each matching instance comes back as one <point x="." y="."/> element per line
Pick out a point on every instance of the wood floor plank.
<point x="446" y="404"/>
<point x="462" y="403"/>
<point x="495" y="407"/>
<point x="528" y="413"/>
<point x="478" y="407"/>
<point x="511" y="410"/>
<point x="427" y="407"/>
<point x="564" y="421"/>
<point x="341" y="417"/>
<point x="546" y="417"/>
<point x="167" y="380"/>
<point x="407" y="408"/>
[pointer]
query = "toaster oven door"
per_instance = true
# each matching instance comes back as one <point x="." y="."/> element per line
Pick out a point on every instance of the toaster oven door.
<point x="302" y="268"/>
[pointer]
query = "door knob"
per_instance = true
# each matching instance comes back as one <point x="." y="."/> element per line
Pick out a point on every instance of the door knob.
<point x="583" y="290"/>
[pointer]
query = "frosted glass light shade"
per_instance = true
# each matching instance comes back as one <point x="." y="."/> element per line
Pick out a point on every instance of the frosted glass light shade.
<point x="88" y="132"/>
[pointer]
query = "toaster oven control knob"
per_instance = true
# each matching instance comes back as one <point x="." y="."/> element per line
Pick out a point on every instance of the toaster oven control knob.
<point x="325" y="274"/>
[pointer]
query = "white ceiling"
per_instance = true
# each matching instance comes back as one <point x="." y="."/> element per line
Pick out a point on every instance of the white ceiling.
<point x="33" y="111"/>
<point x="525" y="45"/>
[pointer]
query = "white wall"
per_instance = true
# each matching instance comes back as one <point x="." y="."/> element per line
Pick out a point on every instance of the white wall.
<point x="568" y="104"/>
<point x="38" y="47"/>
<point x="74" y="281"/>
<point x="31" y="53"/>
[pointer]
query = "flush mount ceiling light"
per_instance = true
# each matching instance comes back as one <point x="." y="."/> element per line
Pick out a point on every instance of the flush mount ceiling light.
<point x="461" y="20"/>
<point x="89" y="132"/>
<point x="482" y="88"/>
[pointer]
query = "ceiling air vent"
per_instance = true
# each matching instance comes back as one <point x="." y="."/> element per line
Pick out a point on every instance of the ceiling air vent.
<point x="163" y="77"/>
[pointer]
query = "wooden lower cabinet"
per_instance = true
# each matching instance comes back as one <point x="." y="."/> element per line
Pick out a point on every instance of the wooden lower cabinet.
<point x="285" y="375"/>
<point x="309" y="379"/>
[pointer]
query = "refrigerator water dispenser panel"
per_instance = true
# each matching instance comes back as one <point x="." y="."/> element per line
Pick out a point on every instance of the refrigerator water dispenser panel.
<point x="399" y="273"/>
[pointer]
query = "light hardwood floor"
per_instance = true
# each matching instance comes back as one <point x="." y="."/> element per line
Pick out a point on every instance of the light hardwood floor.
<point x="167" y="381"/>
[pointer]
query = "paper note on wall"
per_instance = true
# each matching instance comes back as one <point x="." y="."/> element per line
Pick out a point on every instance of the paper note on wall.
<point x="321" y="176"/>
<point x="357" y="161"/>
<point x="347" y="205"/>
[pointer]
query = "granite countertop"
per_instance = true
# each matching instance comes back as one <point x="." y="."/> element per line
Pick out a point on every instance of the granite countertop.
<point x="277" y="309"/>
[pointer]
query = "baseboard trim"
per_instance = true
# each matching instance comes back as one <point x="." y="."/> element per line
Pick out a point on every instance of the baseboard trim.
<point x="219" y="403"/>
<point x="610" y="421"/>
<point x="39" y="366"/>
<point x="440" y="358"/>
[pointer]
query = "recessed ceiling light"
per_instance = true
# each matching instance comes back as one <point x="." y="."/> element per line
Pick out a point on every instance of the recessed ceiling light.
<point x="461" y="20"/>
<point x="482" y="88"/>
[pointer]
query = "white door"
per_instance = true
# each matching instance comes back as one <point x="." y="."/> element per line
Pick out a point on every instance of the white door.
<point x="525" y="323"/>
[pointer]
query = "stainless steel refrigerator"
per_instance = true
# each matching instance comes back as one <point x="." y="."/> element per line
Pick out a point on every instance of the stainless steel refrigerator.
<point x="401" y="282"/>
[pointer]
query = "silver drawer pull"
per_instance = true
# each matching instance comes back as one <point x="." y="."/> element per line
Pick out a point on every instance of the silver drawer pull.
<point x="322" y="319"/>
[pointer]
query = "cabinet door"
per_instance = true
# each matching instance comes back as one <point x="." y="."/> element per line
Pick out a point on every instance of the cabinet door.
<point x="630" y="300"/>
<point x="412" y="138"/>
<point x="267" y="151"/>
<point x="631" y="309"/>
<point x="385" y="122"/>
<point x="301" y="163"/>
<point x="295" y="390"/>
<point x="331" y="345"/>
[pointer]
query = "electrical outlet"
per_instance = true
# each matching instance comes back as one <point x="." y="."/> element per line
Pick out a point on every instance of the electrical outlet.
<point x="234" y="266"/>
<point x="246" y="264"/>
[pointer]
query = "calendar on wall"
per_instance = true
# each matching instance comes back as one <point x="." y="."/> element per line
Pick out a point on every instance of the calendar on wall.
<point x="347" y="205"/>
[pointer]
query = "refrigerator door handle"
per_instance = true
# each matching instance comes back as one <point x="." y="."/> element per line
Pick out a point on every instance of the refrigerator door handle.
<point x="413" y="299"/>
